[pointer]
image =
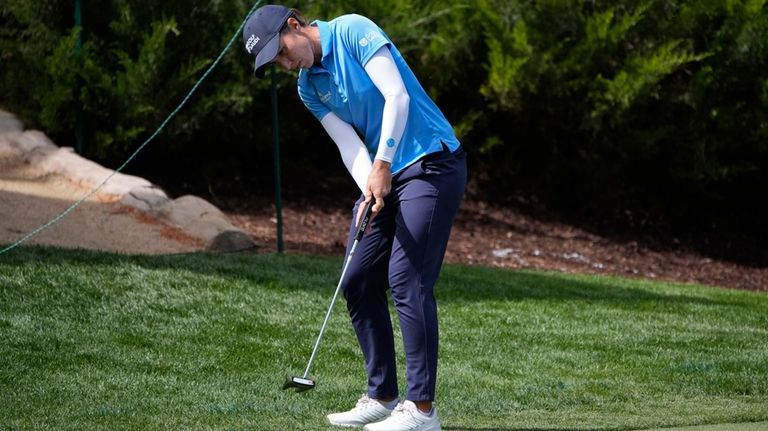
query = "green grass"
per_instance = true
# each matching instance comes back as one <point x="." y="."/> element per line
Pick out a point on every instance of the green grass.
<point x="93" y="341"/>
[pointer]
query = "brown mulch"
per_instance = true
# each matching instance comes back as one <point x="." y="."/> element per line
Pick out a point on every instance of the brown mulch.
<point x="495" y="236"/>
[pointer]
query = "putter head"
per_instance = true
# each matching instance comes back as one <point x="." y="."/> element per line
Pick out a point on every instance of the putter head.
<point x="301" y="384"/>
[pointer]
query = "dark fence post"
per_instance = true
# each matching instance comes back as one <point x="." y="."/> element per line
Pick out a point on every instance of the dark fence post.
<point x="276" y="152"/>
<point x="79" y="138"/>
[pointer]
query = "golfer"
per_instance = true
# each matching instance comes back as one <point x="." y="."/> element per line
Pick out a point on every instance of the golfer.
<point x="402" y="152"/>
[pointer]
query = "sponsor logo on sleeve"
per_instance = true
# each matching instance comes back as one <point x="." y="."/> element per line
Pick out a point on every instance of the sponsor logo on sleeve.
<point x="369" y="37"/>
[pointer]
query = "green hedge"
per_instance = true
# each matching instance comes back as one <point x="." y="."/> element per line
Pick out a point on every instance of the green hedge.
<point x="578" y="101"/>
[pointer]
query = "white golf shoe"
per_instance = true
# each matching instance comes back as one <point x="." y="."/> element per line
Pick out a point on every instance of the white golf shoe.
<point x="407" y="417"/>
<point x="366" y="410"/>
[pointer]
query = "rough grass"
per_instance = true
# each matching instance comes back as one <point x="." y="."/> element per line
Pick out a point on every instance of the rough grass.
<point x="93" y="341"/>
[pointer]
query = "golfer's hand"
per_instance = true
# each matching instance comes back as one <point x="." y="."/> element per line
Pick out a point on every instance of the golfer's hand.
<point x="379" y="186"/>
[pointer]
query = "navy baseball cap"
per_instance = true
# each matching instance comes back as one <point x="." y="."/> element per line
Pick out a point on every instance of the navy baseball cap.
<point x="261" y="34"/>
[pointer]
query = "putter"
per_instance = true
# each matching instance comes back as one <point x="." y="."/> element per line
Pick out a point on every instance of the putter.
<point x="304" y="383"/>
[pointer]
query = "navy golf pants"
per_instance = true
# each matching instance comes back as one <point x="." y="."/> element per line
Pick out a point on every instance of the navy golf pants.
<point x="404" y="250"/>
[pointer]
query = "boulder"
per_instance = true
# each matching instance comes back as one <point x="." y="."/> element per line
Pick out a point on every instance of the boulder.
<point x="231" y="241"/>
<point x="33" y="153"/>
<point x="65" y="162"/>
<point x="145" y="198"/>
<point x="200" y="218"/>
<point x="24" y="147"/>
<point x="9" y="123"/>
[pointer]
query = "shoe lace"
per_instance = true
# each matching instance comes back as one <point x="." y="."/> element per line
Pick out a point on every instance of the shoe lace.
<point x="363" y="402"/>
<point x="402" y="414"/>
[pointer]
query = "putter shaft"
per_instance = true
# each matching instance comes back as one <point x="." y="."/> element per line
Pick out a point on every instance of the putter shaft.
<point x="358" y="235"/>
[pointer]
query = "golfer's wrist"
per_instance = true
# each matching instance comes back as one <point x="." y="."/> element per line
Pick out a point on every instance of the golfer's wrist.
<point x="379" y="164"/>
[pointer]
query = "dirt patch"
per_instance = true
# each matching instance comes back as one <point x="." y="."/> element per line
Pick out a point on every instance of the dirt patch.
<point x="167" y="232"/>
<point x="488" y="235"/>
<point x="97" y="224"/>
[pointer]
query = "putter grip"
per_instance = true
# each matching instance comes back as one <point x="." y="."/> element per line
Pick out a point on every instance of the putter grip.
<point x="366" y="218"/>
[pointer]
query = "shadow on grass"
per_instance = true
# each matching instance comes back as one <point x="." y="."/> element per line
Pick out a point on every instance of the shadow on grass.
<point x="458" y="283"/>
<point x="508" y="429"/>
<point x="461" y="283"/>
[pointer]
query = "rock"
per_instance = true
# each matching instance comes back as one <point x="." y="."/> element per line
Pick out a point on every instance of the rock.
<point x="26" y="147"/>
<point x="67" y="163"/>
<point x="231" y="241"/>
<point x="33" y="148"/>
<point x="200" y="218"/>
<point x="9" y="123"/>
<point x="32" y="154"/>
<point x="145" y="198"/>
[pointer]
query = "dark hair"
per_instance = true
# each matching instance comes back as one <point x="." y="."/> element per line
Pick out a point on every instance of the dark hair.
<point x="299" y="17"/>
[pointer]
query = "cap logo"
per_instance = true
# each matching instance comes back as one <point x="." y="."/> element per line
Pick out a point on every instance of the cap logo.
<point x="252" y="41"/>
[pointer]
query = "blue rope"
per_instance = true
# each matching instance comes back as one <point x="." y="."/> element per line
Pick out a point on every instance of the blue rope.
<point x="141" y="147"/>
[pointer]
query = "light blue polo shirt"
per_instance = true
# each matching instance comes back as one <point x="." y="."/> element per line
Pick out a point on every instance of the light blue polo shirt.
<point x="342" y="86"/>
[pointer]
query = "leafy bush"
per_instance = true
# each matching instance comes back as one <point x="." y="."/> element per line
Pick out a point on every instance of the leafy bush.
<point x="139" y="59"/>
<point x="661" y="101"/>
<point x="593" y="101"/>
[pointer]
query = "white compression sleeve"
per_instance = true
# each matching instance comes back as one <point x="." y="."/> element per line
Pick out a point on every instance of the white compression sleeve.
<point x="382" y="70"/>
<point x="353" y="152"/>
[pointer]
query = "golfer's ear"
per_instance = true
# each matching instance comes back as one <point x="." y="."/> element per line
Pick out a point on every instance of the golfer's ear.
<point x="293" y="23"/>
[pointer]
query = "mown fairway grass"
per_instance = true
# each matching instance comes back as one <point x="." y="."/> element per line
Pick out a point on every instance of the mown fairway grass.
<point x="93" y="341"/>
